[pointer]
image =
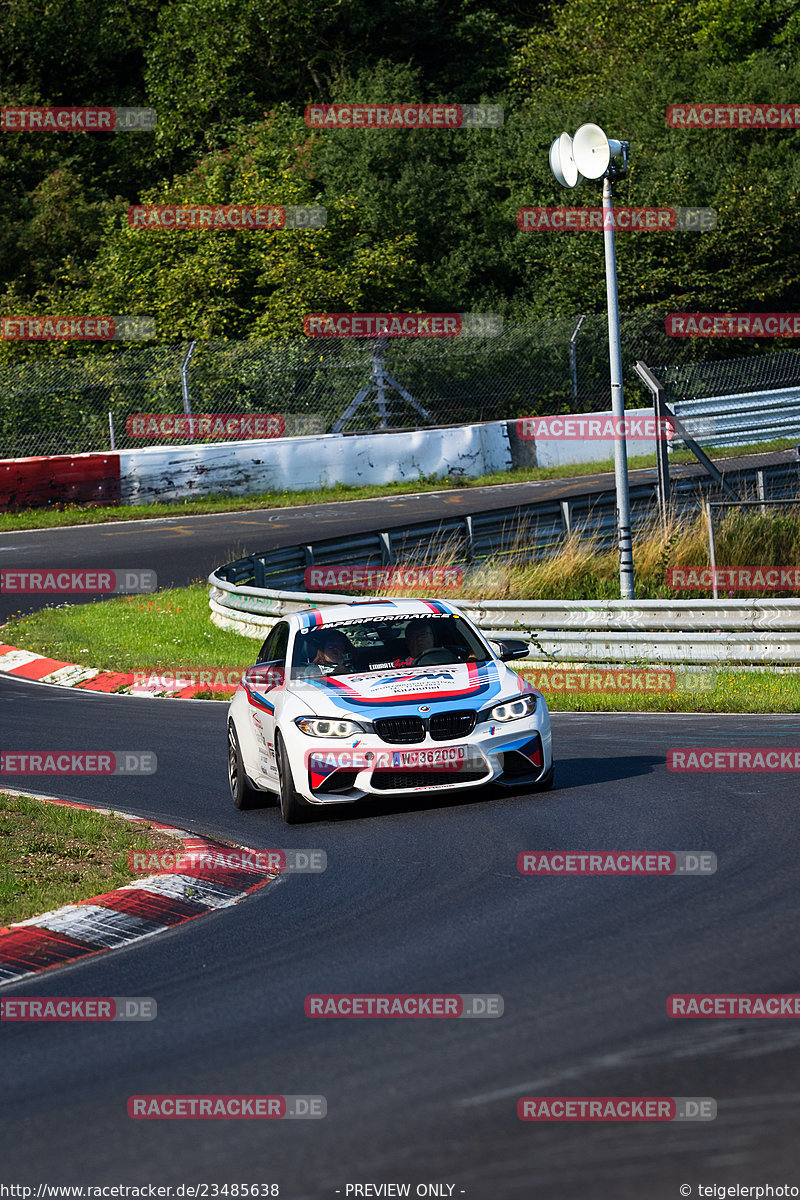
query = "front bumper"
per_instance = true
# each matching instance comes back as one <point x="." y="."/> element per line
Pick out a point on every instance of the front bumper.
<point x="368" y="766"/>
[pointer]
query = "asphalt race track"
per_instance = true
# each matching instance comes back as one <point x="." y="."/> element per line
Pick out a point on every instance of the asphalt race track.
<point x="426" y="897"/>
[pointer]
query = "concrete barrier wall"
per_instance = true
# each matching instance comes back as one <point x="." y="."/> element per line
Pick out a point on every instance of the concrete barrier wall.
<point x="165" y="473"/>
<point x="530" y="452"/>
<point x="294" y="464"/>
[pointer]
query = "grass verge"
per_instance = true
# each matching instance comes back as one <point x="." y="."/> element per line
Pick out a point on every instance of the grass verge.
<point x="169" y="633"/>
<point x="51" y="855"/>
<point x="715" y="690"/>
<point x="99" y="514"/>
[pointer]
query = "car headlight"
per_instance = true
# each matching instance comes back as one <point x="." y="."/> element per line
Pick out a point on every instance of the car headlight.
<point x="512" y="710"/>
<point x="327" y="727"/>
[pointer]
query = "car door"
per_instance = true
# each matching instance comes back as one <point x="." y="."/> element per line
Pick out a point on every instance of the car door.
<point x="268" y="676"/>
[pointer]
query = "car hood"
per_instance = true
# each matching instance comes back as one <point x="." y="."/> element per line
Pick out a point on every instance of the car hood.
<point x="384" y="693"/>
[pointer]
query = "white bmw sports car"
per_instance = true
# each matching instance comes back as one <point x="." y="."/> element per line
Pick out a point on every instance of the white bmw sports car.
<point x="382" y="697"/>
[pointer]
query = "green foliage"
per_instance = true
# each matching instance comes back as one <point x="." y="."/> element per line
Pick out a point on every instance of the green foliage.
<point x="420" y="220"/>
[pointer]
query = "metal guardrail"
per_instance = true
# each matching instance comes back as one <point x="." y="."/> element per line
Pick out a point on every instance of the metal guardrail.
<point x="741" y="419"/>
<point x="250" y="594"/>
<point x="524" y="531"/>
<point x="756" y="631"/>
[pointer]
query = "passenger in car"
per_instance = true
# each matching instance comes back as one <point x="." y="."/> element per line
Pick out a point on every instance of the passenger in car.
<point x="330" y="652"/>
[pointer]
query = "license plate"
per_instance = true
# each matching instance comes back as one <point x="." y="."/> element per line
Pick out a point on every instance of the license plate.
<point x="437" y="758"/>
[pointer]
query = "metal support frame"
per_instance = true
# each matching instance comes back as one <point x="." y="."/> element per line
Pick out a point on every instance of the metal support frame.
<point x="379" y="380"/>
<point x="662" y="459"/>
<point x="664" y="413"/>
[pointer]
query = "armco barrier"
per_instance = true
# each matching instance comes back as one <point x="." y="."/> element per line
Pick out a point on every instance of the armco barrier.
<point x="59" y="479"/>
<point x="754" y="631"/>
<point x="738" y="420"/>
<point x="250" y="594"/>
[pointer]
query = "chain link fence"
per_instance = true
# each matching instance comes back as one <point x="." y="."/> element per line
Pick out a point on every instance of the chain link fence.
<point x="725" y="377"/>
<point x="85" y="402"/>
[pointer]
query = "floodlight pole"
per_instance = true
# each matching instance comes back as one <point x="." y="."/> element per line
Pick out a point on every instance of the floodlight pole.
<point x="625" y="542"/>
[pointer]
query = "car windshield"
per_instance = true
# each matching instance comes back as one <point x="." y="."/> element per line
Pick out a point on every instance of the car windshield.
<point x="366" y="644"/>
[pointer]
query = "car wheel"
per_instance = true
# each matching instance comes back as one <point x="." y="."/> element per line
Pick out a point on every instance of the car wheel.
<point x="244" y="796"/>
<point x="294" y="809"/>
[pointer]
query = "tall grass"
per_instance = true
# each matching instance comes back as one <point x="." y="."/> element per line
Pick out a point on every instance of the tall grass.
<point x="578" y="567"/>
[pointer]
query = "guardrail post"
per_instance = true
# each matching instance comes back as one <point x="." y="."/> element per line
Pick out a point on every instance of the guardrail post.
<point x="387" y="555"/>
<point x="470" y="547"/>
<point x="761" y="490"/>
<point x="712" y="551"/>
<point x="566" y="512"/>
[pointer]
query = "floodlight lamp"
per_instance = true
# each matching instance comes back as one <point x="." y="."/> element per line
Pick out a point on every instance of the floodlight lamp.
<point x="594" y="153"/>
<point x="562" y="162"/>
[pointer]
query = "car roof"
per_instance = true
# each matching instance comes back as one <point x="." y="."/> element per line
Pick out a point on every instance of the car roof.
<point x="319" y="618"/>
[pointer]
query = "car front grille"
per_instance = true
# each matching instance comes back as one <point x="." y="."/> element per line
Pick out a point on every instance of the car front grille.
<point x="400" y="730"/>
<point x="395" y="781"/>
<point x="441" y="726"/>
<point x="452" y="724"/>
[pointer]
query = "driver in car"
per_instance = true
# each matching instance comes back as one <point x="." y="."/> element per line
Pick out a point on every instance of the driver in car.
<point x="419" y="637"/>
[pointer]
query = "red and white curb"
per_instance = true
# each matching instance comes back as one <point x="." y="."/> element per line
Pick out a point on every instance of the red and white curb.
<point x="132" y="912"/>
<point x="24" y="664"/>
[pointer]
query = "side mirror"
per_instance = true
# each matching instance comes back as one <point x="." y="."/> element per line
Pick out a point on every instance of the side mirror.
<point x="511" y="648"/>
<point x="266" y="675"/>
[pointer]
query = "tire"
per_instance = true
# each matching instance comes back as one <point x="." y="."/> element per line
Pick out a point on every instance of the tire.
<point x="294" y="809"/>
<point x="244" y="795"/>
